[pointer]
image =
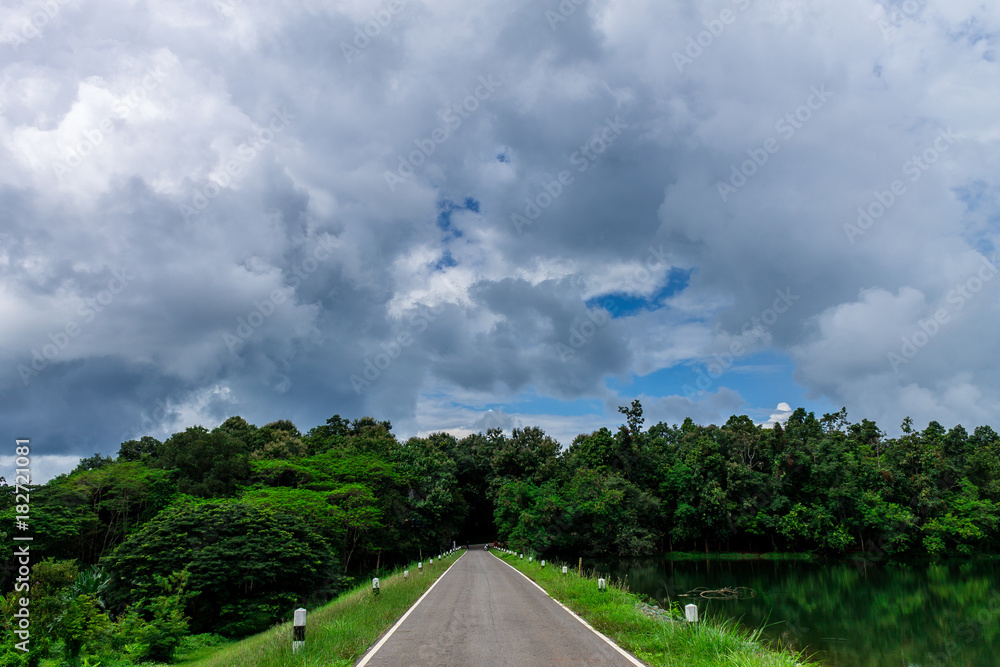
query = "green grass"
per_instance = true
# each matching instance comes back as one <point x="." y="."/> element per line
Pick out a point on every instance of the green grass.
<point x="338" y="633"/>
<point x="656" y="641"/>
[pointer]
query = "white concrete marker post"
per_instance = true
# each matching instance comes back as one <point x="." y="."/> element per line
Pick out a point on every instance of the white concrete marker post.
<point x="406" y="574"/>
<point x="375" y="586"/>
<point x="565" y="569"/>
<point x="543" y="563"/>
<point x="420" y="567"/>
<point x="691" y="611"/>
<point x="298" y="630"/>
<point x="602" y="585"/>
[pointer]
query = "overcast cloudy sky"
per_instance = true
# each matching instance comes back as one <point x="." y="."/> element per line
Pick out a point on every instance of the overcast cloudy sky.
<point x="456" y="215"/>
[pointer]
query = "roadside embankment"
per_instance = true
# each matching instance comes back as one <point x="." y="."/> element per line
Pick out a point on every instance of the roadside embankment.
<point x="657" y="637"/>
<point x="338" y="633"/>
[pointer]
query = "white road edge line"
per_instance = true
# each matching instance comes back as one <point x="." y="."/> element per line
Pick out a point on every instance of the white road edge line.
<point x="628" y="656"/>
<point x="409" y="611"/>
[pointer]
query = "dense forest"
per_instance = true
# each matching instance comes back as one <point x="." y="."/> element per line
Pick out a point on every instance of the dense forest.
<point x="227" y="530"/>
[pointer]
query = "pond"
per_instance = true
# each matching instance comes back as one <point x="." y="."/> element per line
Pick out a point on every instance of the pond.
<point x="848" y="613"/>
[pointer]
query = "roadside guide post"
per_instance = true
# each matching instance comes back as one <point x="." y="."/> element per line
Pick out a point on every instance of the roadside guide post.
<point x="298" y="630"/>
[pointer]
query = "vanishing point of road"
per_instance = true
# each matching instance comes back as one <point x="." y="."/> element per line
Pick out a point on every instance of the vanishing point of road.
<point x="484" y="612"/>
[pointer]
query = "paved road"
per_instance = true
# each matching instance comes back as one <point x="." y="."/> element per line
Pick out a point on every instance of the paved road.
<point x="483" y="612"/>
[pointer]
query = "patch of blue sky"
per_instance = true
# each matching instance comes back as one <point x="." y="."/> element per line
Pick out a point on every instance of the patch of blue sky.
<point x="974" y="32"/>
<point x="446" y="261"/>
<point x="980" y="201"/>
<point x="763" y="380"/>
<point x="975" y="195"/>
<point x="445" y="209"/>
<point x="620" y="304"/>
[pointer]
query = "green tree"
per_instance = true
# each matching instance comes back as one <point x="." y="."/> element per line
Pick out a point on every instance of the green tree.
<point x="281" y="562"/>
<point x="143" y="449"/>
<point x="50" y="583"/>
<point x="527" y="454"/>
<point x="209" y="465"/>
<point x="152" y="629"/>
<point x="85" y="514"/>
<point x="94" y="462"/>
<point x="433" y="492"/>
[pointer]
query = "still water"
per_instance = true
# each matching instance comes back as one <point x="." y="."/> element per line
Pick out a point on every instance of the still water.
<point x="848" y="613"/>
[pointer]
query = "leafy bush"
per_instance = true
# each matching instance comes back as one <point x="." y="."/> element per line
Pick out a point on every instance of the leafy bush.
<point x="153" y="629"/>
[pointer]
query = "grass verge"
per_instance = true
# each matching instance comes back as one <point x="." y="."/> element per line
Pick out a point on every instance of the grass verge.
<point x="656" y="640"/>
<point x="338" y="633"/>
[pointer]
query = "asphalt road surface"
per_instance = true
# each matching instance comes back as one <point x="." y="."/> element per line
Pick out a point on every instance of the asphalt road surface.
<point x="483" y="612"/>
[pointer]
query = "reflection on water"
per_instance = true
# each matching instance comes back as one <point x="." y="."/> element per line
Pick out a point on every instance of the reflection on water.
<point x="850" y="613"/>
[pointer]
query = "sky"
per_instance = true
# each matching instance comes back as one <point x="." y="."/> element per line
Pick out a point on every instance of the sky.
<point x="457" y="216"/>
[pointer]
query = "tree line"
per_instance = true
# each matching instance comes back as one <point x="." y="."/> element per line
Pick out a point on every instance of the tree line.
<point x="811" y="485"/>
<point x="226" y="530"/>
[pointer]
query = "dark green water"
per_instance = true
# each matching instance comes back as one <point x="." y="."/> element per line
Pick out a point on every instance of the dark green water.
<point x="851" y="613"/>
